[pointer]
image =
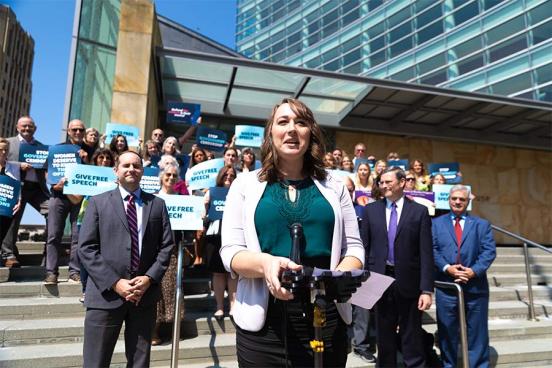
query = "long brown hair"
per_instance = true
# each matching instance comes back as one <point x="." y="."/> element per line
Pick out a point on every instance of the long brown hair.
<point x="313" y="164"/>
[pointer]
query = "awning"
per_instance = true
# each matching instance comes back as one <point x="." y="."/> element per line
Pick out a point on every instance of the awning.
<point x="246" y="89"/>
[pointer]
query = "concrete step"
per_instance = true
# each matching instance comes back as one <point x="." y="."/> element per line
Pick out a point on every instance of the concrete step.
<point x="519" y="259"/>
<point x="203" y="349"/>
<point x="518" y="250"/>
<point x="520" y="267"/>
<point x="518" y="278"/>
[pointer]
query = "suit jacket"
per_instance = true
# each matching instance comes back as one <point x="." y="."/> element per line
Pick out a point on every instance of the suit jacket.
<point x="104" y="247"/>
<point x="13" y="156"/>
<point x="477" y="250"/>
<point x="413" y="252"/>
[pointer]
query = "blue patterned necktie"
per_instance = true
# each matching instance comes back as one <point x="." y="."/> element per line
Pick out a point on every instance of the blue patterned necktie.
<point x="132" y="219"/>
<point x="392" y="233"/>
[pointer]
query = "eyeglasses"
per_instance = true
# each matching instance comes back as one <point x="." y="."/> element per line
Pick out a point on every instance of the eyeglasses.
<point x="171" y="175"/>
<point x="410" y="179"/>
<point x="77" y="130"/>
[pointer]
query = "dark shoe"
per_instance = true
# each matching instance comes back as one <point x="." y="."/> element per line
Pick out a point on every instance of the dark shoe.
<point x="12" y="263"/>
<point x="74" y="278"/>
<point x="50" y="279"/>
<point x="156" y="341"/>
<point x="366" y="356"/>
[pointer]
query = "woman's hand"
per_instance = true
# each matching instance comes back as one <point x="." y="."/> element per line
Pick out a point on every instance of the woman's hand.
<point x="273" y="267"/>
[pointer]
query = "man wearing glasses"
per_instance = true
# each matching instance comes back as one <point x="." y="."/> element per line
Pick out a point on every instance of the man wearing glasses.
<point x="59" y="207"/>
<point x="360" y="151"/>
<point x="158" y="136"/>
<point x="33" y="190"/>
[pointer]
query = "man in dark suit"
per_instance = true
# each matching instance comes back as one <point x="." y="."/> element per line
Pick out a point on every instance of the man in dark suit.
<point x="124" y="244"/>
<point x="33" y="189"/>
<point x="397" y="235"/>
<point x="464" y="248"/>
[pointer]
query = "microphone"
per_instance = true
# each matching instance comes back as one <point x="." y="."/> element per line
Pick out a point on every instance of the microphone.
<point x="296" y="233"/>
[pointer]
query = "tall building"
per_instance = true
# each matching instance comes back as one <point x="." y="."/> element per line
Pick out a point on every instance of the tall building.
<point x="16" y="66"/>
<point x="500" y="47"/>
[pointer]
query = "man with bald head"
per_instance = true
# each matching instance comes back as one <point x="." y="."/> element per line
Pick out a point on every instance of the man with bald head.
<point x="33" y="188"/>
<point x="59" y="207"/>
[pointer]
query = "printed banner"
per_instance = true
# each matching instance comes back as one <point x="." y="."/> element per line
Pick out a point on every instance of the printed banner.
<point x="154" y="161"/>
<point x="180" y="112"/>
<point x="89" y="180"/>
<point x="150" y="180"/>
<point x="442" y="192"/>
<point x="59" y="157"/>
<point x="9" y="195"/>
<point x="426" y="199"/>
<point x="131" y="133"/>
<point x="249" y="135"/>
<point x="211" y="139"/>
<point x="403" y="164"/>
<point x="359" y="161"/>
<point x="362" y="198"/>
<point x="449" y="170"/>
<point x="217" y="201"/>
<point x="204" y="175"/>
<point x="185" y="211"/>
<point x="35" y="155"/>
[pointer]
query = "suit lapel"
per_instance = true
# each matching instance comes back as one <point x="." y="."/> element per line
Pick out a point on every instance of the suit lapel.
<point x="404" y="216"/>
<point x="119" y="207"/>
<point x="450" y="228"/>
<point x="468" y="227"/>
<point x="382" y="214"/>
<point x="146" y="209"/>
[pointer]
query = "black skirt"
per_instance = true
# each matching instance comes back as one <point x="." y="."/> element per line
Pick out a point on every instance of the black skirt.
<point x="284" y="340"/>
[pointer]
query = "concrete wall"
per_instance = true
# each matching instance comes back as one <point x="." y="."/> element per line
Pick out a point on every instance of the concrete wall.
<point x="134" y="100"/>
<point x="513" y="186"/>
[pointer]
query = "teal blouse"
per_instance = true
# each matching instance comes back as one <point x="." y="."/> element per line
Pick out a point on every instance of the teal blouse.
<point x="275" y="214"/>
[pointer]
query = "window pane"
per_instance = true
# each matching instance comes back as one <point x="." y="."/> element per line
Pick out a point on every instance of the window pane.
<point x="540" y="12"/>
<point x="487" y="4"/>
<point x="508" y="48"/>
<point x="373" y="4"/>
<point x="352" y="43"/>
<point x="470" y="64"/>
<point x="430" y="32"/>
<point x="400" y="32"/>
<point x="330" y="29"/>
<point x="509" y="86"/>
<point x="429" y="16"/>
<point x="349" y="5"/>
<point x="401" y="46"/>
<point x="376" y="31"/>
<point x="467" y="47"/>
<point x="435" y="78"/>
<point x="351" y="57"/>
<point x="333" y="66"/>
<point x="544" y="74"/>
<point x="353" y="69"/>
<point x="329" y="18"/>
<point x="377" y="44"/>
<point x="100" y="21"/>
<point x="313" y="63"/>
<point x="545" y="93"/>
<point x="466" y="13"/>
<point x="351" y="17"/>
<point x="331" y="54"/>
<point x="542" y="32"/>
<point x="504" y="30"/>
<point x="404" y="75"/>
<point x="432" y="63"/>
<point x="377" y="58"/>
<point x="399" y="16"/>
<point x="313" y="39"/>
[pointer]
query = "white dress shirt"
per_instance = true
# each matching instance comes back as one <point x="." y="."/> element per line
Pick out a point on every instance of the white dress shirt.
<point x="399" y="203"/>
<point x="139" y="207"/>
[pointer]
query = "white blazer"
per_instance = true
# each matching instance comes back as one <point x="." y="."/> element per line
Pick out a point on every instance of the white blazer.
<point x="238" y="234"/>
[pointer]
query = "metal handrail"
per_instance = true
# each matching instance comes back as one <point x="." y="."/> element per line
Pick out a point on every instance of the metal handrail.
<point x="178" y="304"/>
<point x="461" y="318"/>
<point x="526" y="242"/>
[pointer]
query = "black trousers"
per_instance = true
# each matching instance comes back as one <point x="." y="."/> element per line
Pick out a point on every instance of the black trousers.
<point x="284" y="339"/>
<point x="394" y="310"/>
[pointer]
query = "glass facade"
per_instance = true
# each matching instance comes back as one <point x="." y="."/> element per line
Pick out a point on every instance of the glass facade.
<point x="499" y="47"/>
<point x="95" y="57"/>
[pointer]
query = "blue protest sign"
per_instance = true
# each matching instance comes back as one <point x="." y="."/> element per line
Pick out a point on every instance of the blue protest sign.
<point x="150" y="180"/>
<point x="426" y="199"/>
<point x="180" y="112"/>
<point x="403" y="164"/>
<point x="249" y="136"/>
<point x="183" y="163"/>
<point x="204" y="175"/>
<point x="154" y="161"/>
<point x="9" y="195"/>
<point x="131" y="133"/>
<point x="185" y="211"/>
<point x="59" y="157"/>
<point x="89" y="180"/>
<point x="211" y="139"/>
<point x="217" y="201"/>
<point x="34" y="155"/>
<point x="359" y="161"/>
<point x="442" y="192"/>
<point x="449" y="170"/>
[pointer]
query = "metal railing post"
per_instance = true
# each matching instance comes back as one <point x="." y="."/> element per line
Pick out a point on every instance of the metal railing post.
<point x="461" y="318"/>
<point x="532" y="316"/>
<point x="178" y="307"/>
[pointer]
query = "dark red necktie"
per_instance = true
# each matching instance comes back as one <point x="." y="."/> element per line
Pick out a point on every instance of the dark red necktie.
<point x="458" y="232"/>
<point x="133" y="228"/>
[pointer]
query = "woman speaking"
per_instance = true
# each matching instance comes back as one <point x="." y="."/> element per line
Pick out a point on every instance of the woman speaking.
<point x="274" y="326"/>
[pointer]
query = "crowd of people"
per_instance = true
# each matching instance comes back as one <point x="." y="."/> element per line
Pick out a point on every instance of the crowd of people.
<point x="122" y="246"/>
